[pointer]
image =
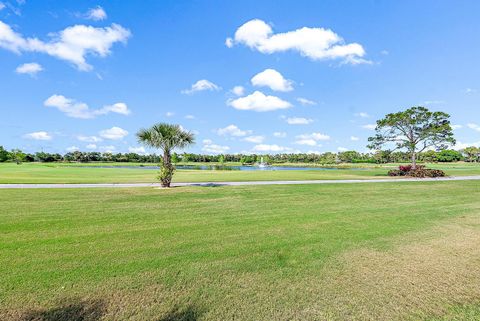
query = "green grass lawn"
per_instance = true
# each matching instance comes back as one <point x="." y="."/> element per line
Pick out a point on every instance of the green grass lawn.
<point x="291" y="252"/>
<point x="85" y="173"/>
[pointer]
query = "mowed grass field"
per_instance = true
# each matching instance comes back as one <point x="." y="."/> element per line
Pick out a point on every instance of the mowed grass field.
<point x="406" y="251"/>
<point x="85" y="173"/>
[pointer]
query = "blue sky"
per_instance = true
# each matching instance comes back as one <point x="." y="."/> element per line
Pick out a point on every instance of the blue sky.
<point x="309" y="75"/>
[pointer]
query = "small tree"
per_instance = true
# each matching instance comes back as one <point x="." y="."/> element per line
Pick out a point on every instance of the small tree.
<point x="415" y="130"/>
<point x="17" y="156"/>
<point x="3" y="154"/>
<point x="472" y="153"/>
<point x="166" y="137"/>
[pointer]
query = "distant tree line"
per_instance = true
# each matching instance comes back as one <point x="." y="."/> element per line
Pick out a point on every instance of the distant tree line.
<point x="469" y="154"/>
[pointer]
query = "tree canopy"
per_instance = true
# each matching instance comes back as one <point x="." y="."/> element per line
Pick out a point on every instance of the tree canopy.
<point x="415" y="129"/>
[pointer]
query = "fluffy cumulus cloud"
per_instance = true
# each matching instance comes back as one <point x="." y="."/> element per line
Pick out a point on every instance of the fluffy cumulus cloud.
<point x="212" y="148"/>
<point x="455" y="127"/>
<point x="264" y="148"/>
<point x="201" y="85"/>
<point x="272" y="79"/>
<point x="114" y="133"/>
<point x="72" y="44"/>
<point x="91" y="146"/>
<point x="238" y="90"/>
<point x="76" y="109"/>
<point x="298" y="121"/>
<point x="260" y="102"/>
<point x="233" y="130"/>
<point x="314" y="43"/>
<point x="254" y="139"/>
<point x="96" y="14"/>
<point x="306" y="102"/>
<point x="280" y="134"/>
<point x="42" y="135"/>
<point x="354" y="138"/>
<point x="311" y="139"/>
<point x="342" y="149"/>
<point x="31" y="68"/>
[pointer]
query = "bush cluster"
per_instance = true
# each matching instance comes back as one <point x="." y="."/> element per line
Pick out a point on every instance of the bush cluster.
<point x="419" y="172"/>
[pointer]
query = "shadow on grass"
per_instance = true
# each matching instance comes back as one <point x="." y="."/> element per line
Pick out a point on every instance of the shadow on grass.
<point x="209" y="184"/>
<point x="190" y="313"/>
<point x="69" y="311"/>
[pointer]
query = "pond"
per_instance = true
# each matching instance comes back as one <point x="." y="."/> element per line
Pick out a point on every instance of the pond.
<point x="228" y="168"/>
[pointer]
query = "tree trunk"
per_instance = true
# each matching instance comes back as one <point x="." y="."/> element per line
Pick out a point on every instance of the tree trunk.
<point x="167" y="171"/>
<point x="414" y="160"/>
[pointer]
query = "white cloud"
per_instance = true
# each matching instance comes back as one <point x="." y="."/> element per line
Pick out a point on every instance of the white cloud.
<point x="369" y="126"/>
<point x="454" y="127"/>
<point x="76" y="109"/>
<point x="89" y="139"/>
<point x="210" y="147"/>
<point x="138" y="150"/>
<point x="270" y="148"/>
<point x="254" y="139"/>
<point x="238" y="90"/>
<point x="260" y="102"/>
<point x="474" y="127"/>
<point x="434" y="102"/>
<point x="72" y="44"/>
<point x="233" y="130"/>
<point x="229" y="42"/>
<point x="107" y="149"/>
<point x="342" y="149"/>
<point x="42" y="135"/>
<point x="354" y="138"/>
<point x="31" y="69"/>
<point x="306" y="102"/>
<point x="96" y="14"/>
<point x="113" y="133"/>
<point x="190" y="117"/>
<point x="91" y="146"/>
<point x="315" y="136"/>
<point x="309" y="142"/>
<point x="362" y="115"/>
<point x="459" y="145"/>
<point x="272" y="79"/>
<point x="314" y="43"/>
<point x="201" y="85"/>
<point x="311" y="139"/>
<point x="299" y="121"/>
<point x="169" y="114"/>
<point x="119" y="108"/>
<point x="72" y="149"/>
<point x="280" y="134"/>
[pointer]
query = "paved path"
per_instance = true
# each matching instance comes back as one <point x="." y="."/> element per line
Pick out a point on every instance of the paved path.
<point x="206" y="184"/>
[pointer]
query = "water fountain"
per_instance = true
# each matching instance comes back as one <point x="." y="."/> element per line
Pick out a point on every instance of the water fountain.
<point x="262" y="164"/>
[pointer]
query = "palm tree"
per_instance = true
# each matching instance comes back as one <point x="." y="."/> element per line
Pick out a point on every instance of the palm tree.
<point x="166" y="137"/>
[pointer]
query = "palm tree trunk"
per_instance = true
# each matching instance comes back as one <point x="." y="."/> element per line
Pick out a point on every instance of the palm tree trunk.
<point x="166" y="179"/>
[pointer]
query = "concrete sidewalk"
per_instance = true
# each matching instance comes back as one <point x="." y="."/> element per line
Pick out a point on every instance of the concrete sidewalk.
<point x="206" y="184"/>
